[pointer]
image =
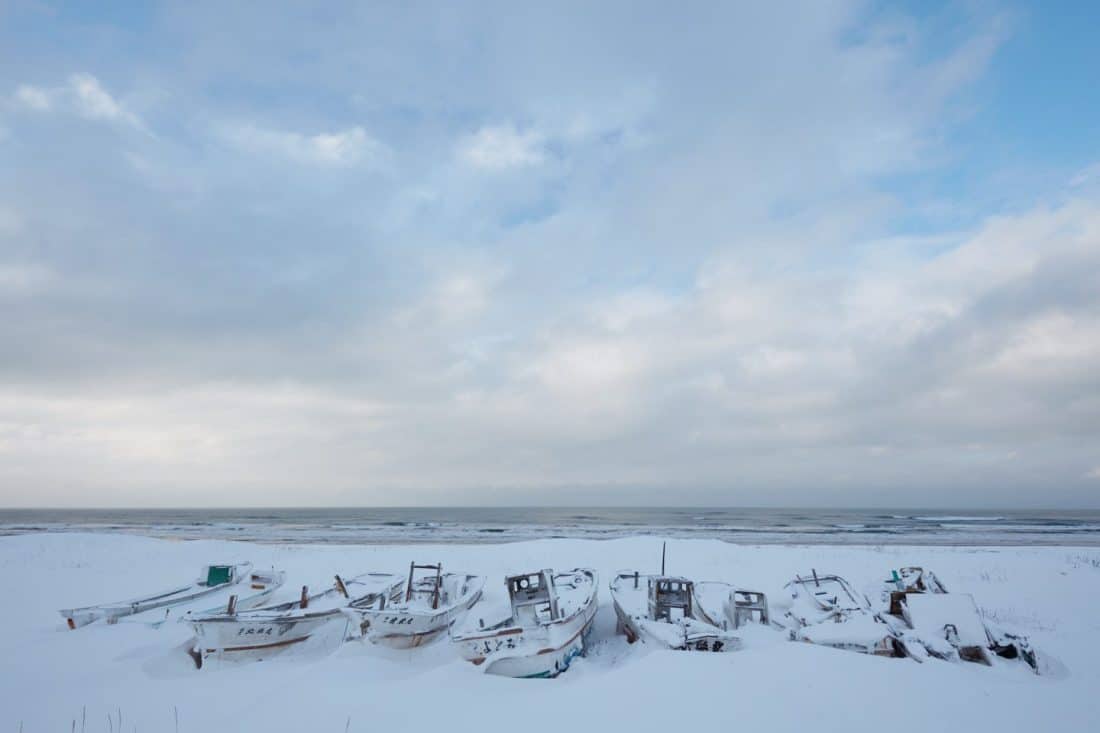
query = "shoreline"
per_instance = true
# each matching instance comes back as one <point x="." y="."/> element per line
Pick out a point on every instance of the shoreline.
<point x="55" y="675"/>
<point x="802" y="541"/>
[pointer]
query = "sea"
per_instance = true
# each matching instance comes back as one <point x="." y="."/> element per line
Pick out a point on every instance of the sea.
<point x="443" y="525"/>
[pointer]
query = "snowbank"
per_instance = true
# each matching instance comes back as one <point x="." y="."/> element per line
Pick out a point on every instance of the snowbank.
<point x="50" y="676"/>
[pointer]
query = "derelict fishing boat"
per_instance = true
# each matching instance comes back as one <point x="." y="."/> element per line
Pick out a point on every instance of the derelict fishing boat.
<point x="432" y="601"/>
<point x="934" y="623"/>
<point x="213" y="579"/>
<point x="255" y="591"/>
<point x="272" y="630"/>
<point x="678" y="613"/>
<point x="827" y="610"/>
<point x="663" y="610"/>
<point x="736" y="607"/>
<point x="552" y="614"/>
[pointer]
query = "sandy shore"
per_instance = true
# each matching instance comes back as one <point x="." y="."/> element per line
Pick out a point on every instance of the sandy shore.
<point x="50" y="677"/>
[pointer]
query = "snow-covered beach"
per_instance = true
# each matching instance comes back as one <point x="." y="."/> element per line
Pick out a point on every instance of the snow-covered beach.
<point x="52" y="677"/>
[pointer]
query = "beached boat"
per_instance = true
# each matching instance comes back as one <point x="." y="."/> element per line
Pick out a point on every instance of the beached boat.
<point x="273" y="630"/>
<point x="255" y="591"/>
<point x="932" y="622"/>
<point x="827" y="610"/>
<point x="665" y="610"/>
<point x="551" y="616"/>
<point x="433" y="600"/>
<point x="213" y="579"/>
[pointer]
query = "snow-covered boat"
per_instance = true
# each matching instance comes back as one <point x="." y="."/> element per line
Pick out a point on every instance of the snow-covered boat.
<point x="272" y="630"/>
<point x="736" y="607"/>
<point x="551" y="616"/>
<point x="904" y="581"/>
<point x="666" y="610"/>
<point x="433" y="600"/>
<point x="932" y="622"/>
<point x="254" y="592"/>
<point x="214" y="579"/>
<point x="827" y="610"/>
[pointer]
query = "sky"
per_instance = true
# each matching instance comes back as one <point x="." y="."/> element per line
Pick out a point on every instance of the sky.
<point x="802" y="253"/>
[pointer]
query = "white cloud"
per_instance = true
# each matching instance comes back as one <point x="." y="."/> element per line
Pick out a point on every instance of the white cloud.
<point x="95" y="103"/>
<point x="460" y="290"/>
<point x="501" y="147"/>
<point x="1088" y="176"/>
<point x="84" y="95"/>
<point x="340" y="148"/>
<point x="628" y="276"/>
<point x="33" y="97"/>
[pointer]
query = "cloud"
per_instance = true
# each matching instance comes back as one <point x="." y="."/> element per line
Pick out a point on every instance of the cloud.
<point x="347" y="147"/>
<point x="84" y="95"/>
<point x="94" y="103"/>
<point x="1094" y="473"/>
<point x="1088" y="176"/>
<point x="592" y="273"/>
<point x="501" y="147"/>
<point x="33" y="97"/>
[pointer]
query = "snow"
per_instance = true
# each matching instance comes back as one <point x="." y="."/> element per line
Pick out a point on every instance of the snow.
<point x="931" y="613"/>
<point x="50" y="676"/>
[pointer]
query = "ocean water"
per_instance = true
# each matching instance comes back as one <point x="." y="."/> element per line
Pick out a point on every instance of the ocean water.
<point x="488" y="525"/>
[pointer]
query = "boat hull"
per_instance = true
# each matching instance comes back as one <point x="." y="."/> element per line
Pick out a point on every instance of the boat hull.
<point x="547" y="662"/>
<point x="112" y="612"/>
<point x="405" y="629"/>
<point x="256" y="639"/>
<point x="539" y="651"/>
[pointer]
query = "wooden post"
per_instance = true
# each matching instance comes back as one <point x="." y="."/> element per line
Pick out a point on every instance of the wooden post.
<point x="814" y="571"/>
<point x="304" y="603"/>
<point x="341" y="587"/>
<point x="438" y="582"/>
<point x="663" y="546"/>
<point x="232" y="607"/>
<point x="409" y="587"/>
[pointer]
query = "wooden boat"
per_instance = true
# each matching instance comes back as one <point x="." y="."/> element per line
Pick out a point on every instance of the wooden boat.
<point x="213" y="579"/>
<point x="664" y="610"/>
<point x="256" y="591"/>
<point x="266" y="632"/>
<point x="931" y="622"/>
<point x="551" y="616"/>
<point x="432" y="602"/>
<point x="826" y="610"/>
<point x="912" y="580"/>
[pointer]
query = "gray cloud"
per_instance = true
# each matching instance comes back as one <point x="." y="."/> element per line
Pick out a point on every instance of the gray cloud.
<point x="389" y="256"/>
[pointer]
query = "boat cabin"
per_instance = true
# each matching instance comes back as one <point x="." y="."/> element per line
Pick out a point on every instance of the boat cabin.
<point x="533" y="598"/>
<point x="670" y="598"/>
<point x="218" y="575"/>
